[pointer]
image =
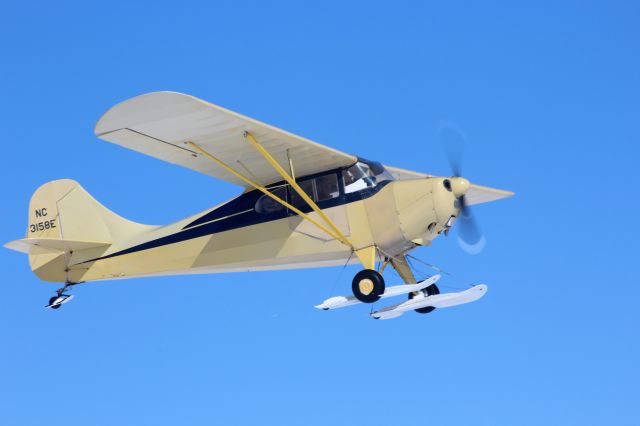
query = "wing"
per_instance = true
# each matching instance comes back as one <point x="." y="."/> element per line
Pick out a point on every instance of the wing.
<point x="402" y="174"/>
<point x="159" y="123"/>
<point x="477" y="194"/>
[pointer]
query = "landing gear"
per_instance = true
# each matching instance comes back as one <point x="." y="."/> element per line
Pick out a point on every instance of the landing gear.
<point x="56" y="302"/>
<point x="429" y="291"/>
<point x="368" y="286"/>
<point x="52" y="304"/>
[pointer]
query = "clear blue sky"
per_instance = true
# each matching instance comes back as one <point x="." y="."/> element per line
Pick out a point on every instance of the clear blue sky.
<point x="548" y="94"/>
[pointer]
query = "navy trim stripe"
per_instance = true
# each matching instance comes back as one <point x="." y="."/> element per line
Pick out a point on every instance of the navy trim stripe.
<point x="248" y="199"/>
<point x="239" y="221"/>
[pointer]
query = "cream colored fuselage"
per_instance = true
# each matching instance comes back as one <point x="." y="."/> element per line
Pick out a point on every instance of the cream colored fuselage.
<point x="399" y="217"/>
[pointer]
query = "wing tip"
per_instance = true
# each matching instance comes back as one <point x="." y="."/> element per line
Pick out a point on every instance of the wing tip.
<point x="102" y="125"/>
<point x="479" y="194"/>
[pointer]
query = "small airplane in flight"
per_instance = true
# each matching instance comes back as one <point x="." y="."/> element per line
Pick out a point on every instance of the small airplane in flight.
<point x="304" y="205"/>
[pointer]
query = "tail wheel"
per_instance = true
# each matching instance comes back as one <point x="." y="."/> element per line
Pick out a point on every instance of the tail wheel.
<point x="368" y="286"/>
<point x="429" y="291"/>
<point x="53" y="299"/>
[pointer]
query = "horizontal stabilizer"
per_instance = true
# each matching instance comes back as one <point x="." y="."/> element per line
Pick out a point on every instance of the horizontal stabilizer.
<point x="51" y="245"/>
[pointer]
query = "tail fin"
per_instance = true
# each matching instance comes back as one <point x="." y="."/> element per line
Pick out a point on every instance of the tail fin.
<point x="64" y="219"/>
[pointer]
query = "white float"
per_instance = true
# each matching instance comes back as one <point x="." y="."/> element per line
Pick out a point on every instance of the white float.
<point x="343" y="301"/>
<point x="445" y="300"/>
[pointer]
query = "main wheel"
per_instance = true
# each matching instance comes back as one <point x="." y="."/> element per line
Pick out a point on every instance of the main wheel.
<point x="367" y="286"/>
<point x="429" y="291"/>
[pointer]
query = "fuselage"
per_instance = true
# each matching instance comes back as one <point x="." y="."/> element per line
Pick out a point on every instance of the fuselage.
<point x="254" y="232"/>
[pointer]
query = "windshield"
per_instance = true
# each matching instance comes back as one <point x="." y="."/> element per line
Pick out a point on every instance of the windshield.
<point x="364" y="174"/>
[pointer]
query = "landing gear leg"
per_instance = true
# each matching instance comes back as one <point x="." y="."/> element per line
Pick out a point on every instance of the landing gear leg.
<point x="402" y="267"/>
<point x="429" y="291"/>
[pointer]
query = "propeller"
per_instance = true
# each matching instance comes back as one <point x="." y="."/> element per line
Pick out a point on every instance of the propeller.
<point x="470" y="237"/>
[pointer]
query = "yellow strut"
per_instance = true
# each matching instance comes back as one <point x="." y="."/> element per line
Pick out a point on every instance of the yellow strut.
<point x="384" y="265"/>
<point x="366" y="255"/>
<point x="341" y="237"/>
<point x="262" y="189"/>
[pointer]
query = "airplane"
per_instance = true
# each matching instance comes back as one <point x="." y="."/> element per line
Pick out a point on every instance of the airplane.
<point x="303" y="205"/>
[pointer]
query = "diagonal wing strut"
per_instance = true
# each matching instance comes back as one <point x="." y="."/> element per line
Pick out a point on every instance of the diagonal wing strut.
<point x="367" y="255"/>
<point x="259" y="188"/>
<point x="291" y="181"/>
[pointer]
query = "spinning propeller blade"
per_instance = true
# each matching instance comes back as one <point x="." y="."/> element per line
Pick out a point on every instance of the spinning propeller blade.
<point x="470" y="237"/>
<point x="452" y="141"/>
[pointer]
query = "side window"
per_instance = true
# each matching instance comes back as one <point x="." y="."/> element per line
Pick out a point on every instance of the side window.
<point x="307" y="186"/>
<point x="267" y="205"/>
<point x="319" y="189"/>
<point x="327" y="187"/>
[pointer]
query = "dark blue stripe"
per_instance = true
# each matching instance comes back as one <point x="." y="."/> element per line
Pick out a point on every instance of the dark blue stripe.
<point x="243" y="202"/>
<point x="248" y="200"/>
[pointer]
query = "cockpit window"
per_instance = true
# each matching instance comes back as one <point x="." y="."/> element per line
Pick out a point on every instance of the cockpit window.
<point x="267" y="205"/>
<point x="319" y="189"/>
<point x="364" y="174"/>
<point x="327" y="187"/>
<point x="307" y="187"/>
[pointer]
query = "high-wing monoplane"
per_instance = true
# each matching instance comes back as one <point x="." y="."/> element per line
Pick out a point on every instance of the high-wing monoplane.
<point x="303" y="205"/>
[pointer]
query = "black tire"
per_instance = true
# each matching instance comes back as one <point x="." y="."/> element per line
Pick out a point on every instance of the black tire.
<point x="430" y="291"/>
<point x="375" y="284"/>
<point x="52" y="300"/>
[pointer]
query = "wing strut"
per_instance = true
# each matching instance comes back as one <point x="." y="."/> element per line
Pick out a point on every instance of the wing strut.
<point x="366" y="255"/>
<point x="291" y="181"/>
<point x="262" y="189"/>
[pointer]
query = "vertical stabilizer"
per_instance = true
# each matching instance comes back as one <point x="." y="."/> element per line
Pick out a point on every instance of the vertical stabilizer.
<point x="63" y="219"/>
